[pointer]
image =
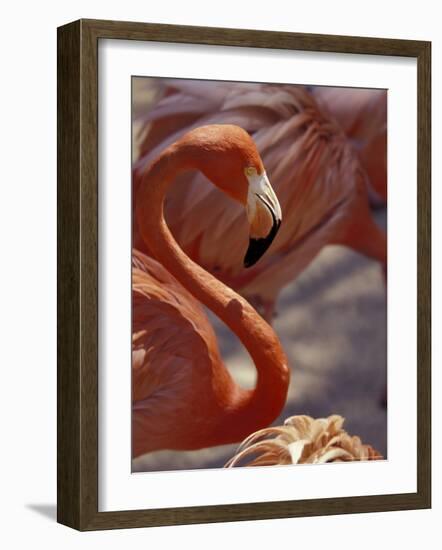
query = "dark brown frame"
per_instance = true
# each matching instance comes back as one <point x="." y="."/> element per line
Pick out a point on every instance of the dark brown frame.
<point x="78" y="267"/>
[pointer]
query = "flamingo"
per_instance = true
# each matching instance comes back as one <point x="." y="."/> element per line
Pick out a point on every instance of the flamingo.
<point x="302" y="440"/>
<point x="314" y="168"/>
<point x="183" y="396"/>
<point x="362" y="114"/>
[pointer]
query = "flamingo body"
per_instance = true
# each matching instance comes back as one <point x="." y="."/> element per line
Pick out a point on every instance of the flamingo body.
<point x="362" y="114"/>
<point x="175" y="362"/>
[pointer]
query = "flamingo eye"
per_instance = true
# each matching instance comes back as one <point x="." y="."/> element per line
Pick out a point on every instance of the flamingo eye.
<point x="250" y="171"/>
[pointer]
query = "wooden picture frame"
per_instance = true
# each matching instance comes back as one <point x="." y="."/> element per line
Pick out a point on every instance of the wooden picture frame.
<point x="78" y="274"/>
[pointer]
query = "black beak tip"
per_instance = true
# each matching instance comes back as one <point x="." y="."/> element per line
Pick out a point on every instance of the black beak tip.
<point x="248" y="260"/>
<point x="258" y="247"/>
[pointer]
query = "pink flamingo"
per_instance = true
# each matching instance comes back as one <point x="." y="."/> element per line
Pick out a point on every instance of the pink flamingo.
<point x="362" y="114"/>
<point x="315" y="171"/>
<point x="183" y="395"/>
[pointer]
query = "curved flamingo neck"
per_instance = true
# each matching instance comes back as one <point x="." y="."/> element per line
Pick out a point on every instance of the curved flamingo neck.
<point x="246" y="410"/>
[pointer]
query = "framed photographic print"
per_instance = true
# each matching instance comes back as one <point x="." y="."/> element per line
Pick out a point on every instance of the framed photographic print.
<point x="243" y="274"/>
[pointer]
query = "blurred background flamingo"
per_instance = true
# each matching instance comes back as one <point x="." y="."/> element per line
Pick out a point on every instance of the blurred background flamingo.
<point x="362" y="114"/>
<point x="322" y="178"/>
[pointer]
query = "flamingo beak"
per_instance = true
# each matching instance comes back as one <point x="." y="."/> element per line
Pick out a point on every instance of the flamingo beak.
<point x="264" y="215"/>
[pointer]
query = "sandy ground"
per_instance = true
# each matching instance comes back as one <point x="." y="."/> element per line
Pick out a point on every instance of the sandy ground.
<point x="332" y="324"/>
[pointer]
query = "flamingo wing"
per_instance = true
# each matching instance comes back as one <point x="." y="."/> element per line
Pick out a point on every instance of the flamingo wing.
<point x="174" y="359"/>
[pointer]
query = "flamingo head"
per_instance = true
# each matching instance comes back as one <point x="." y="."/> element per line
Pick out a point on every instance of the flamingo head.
<point x="227" y="156"/>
